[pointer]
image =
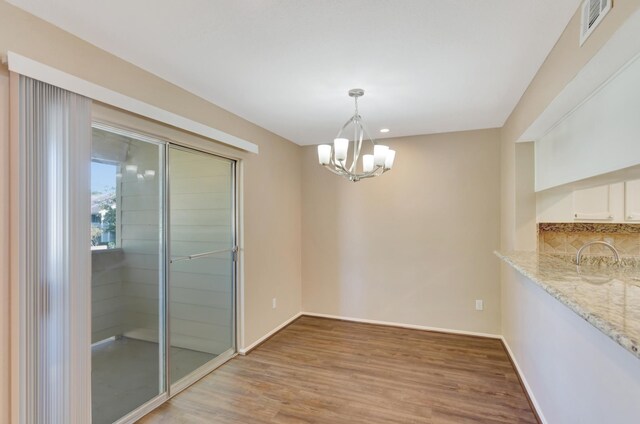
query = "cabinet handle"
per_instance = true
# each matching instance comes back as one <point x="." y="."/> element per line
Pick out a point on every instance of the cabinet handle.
<point x="595" y="216"/>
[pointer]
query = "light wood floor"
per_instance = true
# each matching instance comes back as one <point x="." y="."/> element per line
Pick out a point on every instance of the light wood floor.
<point x="327" y="371"/>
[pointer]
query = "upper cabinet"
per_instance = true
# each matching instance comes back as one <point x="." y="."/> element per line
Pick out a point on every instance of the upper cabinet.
<point x="590" y="129"/>
<point x="593" y="204"/>
<point x="615" y="203"/>
<point x="632" y="201"/>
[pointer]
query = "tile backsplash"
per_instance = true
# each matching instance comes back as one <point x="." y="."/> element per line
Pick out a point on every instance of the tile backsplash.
<point x="569" y="237"/>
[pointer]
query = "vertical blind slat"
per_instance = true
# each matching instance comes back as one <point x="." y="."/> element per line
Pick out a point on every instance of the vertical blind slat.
<point x="55" y="146"/>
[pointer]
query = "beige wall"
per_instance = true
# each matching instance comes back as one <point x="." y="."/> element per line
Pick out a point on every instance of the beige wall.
<point x="525" y="197"/>
<point x="413" y="246"/>
<point x="272" y="190"/>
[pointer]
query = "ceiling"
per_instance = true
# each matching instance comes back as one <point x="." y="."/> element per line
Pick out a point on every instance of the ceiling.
<point x="427" y="66"/>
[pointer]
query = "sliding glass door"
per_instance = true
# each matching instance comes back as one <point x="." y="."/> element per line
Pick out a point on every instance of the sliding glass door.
<point x="202" y="249"/>
<point x="127" y="278"/>
<point x="163" y="270"/>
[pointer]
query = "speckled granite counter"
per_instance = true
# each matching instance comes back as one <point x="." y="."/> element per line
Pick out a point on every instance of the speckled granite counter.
<point x="608" y="297"/>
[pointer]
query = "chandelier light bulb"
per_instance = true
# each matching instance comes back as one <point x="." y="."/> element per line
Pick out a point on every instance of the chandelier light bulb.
<point x="341" y="146"/>
<point x="324" y="154"/>
<point x="388" y="161"/>
<point x="380" y="154"/>
<point x="132" y="168"/>
<point x="367" y="163"/>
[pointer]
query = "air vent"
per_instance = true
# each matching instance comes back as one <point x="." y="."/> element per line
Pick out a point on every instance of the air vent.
<point x="593" y="11"/>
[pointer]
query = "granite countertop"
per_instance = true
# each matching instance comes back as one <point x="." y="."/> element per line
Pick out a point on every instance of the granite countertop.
<point x="605" y="295"/>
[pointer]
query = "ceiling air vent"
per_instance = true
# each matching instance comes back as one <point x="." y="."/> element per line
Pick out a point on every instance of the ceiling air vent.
<point x="593" y="11"/>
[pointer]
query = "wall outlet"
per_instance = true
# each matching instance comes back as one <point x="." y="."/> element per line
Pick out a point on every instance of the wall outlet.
<point x="479" y="305"/>
<point x="274" y="303"/>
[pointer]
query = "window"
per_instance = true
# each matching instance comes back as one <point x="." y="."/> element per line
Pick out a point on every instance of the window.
<point x="104" y="228"/>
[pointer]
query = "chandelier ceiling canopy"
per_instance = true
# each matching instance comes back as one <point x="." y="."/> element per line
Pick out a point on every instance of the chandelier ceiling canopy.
<point x="334" y="157"/>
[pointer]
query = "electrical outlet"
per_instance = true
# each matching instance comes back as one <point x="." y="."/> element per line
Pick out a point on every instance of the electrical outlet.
<point x="479" y="305"/>
<point x="274" y="303"/>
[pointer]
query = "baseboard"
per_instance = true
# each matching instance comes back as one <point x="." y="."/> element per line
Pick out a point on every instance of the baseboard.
<point x="401" y="325"/>
<point x="264" y="338"/>
<point x="532" y="399"/>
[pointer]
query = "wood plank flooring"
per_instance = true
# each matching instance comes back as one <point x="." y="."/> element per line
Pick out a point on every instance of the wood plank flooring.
<point x="320" y="370"/>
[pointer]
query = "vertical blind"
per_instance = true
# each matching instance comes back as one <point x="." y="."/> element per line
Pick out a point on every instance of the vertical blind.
<point x="55" y="271"/>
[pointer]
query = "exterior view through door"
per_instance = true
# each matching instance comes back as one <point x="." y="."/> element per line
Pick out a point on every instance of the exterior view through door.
<point x="163" y="270"/>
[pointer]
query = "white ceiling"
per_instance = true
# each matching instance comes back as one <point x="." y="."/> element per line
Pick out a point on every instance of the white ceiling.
<point x="427" y="66"/>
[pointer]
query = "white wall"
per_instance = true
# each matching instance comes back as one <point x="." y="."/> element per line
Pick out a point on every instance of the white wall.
<point x="413" y="246"/>
<point x="600" y="136"/>
<point x="575" y="372"/>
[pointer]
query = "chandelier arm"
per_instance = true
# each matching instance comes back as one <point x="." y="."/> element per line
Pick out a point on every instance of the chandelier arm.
<point x="357" y="143"/>
<point x="364" y="130"/>
<point x="334" y="170"/>
<point x="373" y="173"/>
<point x="346" y="124"/>
<point x="337" y="165"/>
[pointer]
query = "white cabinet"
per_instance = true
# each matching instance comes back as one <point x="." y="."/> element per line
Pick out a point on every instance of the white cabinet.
<point x="592" y="204"/>
<point x="605" y="203"/>
<point x="632" y="201"/>
<point x="595" y="203"/>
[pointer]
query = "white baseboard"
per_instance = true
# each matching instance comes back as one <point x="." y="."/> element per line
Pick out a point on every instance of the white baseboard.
<point x="401" y="325"/>
<point x="535" y="403"/>
<point x="247" y="349"/>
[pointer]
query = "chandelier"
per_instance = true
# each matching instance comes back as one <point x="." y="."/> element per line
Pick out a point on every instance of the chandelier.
<point x="334" y="157"/>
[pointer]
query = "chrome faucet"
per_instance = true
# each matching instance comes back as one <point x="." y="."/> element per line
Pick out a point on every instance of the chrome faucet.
<point x="604" y="243"/>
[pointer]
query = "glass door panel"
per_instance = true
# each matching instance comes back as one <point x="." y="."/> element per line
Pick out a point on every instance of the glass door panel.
<point x="127" y="279"/>
<point x="201" y="277"/>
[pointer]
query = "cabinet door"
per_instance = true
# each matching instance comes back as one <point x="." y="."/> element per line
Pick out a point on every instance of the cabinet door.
<point x="632" y="200"/>
<point x="593" y="204"/>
